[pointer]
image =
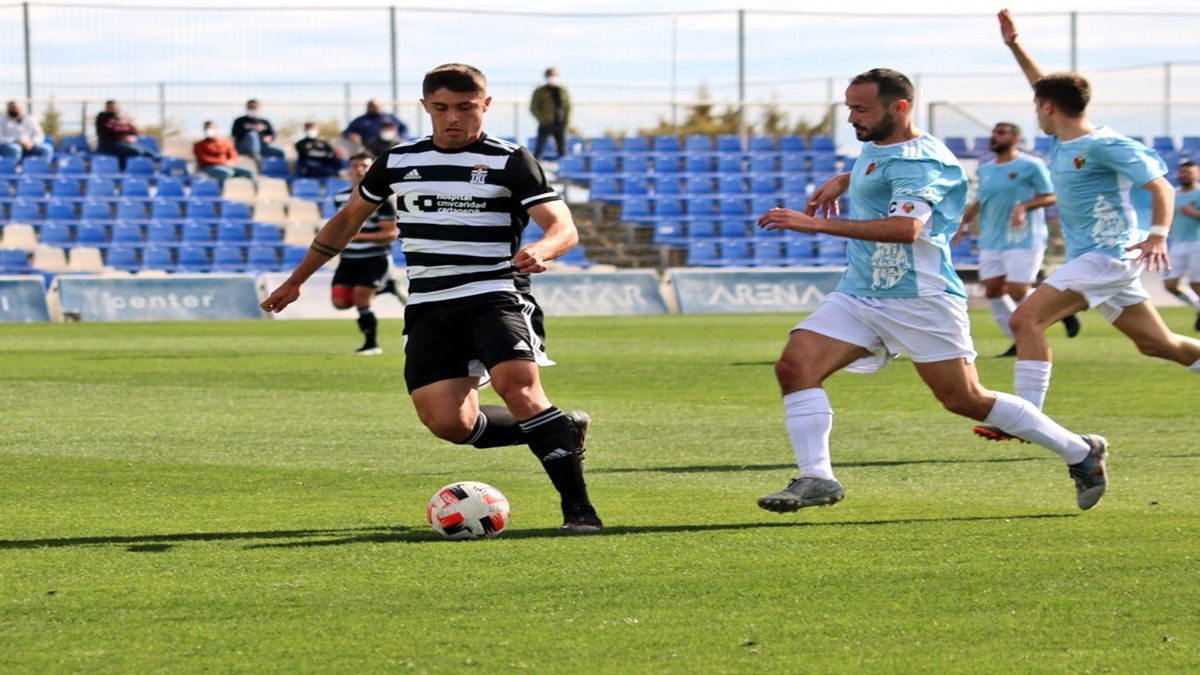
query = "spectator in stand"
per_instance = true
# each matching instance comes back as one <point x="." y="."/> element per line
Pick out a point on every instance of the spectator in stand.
<point x="116" y="135"/>
<point x="388" y="137"/>
<point x="253" y="135"/>
<point x="365" y="128"/>
<point x="315" y="157"/>
<point x="216" y="157"/>
<point x="21" y="136"/>
<point x="551" y="106"/>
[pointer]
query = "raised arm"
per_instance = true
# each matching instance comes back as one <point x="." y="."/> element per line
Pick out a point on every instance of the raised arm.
<point x="1008" y="31"/>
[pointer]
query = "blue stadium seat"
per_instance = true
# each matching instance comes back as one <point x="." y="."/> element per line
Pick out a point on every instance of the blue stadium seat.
<point x="605" y="188"/>
<point x="1041" y="145"/>
<point x="25" y="211"/>
<point x="96" y="211"/>
<point x="197" y="233"/>
<point x="636" y="210"/>
<point x="635" y="165"/>
<point x="824" y="163"/>
<point x="1163" y="144"/>
<point x="733" y="206"/>
<point x="66" y="188"/>
<point x="635" y="186"/>
<point x="8" y="168"/>
<point x="666" y="163"/>
<point x="701" y="207"/>
<point x="170" y="187"/>
<point x="37" y="167"/>
<point x="137" y="189"/>
<point x="126" y="234"/>
<point x="158" y="258"/>
<point x="292" y="255"/>
<point x="729" y="143"/>
<point x="822" y="144"/>
<point x="732" y="228"/>
<point x="162" y="234"/>
<point x="124" y="258"/>
<point x="104" y="165"/>
<point x="668" y="208"/>
<point x="91" y="234"/>
<point x="206" y="188"/>
<point x="74" y="145"/>
<point x="231" y="210"/>
<point x="792" y="143"/>
<point x="703" y="253"/>
<point x="232" y="232"/>
<point x="831" y="250"/>
<point x="31" y="189"/>
<point x="102" y="189"/>
<point x="698" y="163"/>
<point x="275" y="167"/>
<point x="334" y="185"/>
<point x="764" y="164"/>
<point x="635" y="144"/>
<point x="800" y="251"/>
<point x="603" y="145"/>
<point x="982" y="146"/>
<point x="667" y="143"/>
<point x="730" y="163"/>
<point x="56" y="234"/>
<point x="71" y="165"/>
<point x="228" y="259"/>
<point x="262" y="259"/>
<point x="699" y="185"/>
<point x="60" y="211"/>
<point x="166" y="211"/>
<point x="667" y="185"/>
<point x="670" y="233"/>
<point x="793" y="163"/>
<point x="957" y="145"/>
<point x="1190" y="145"/>
<point x="192" y="259"/>
<point x="200" y="209"/>
<point x="763" y="185"/>
<point x="769" y="253"/>
<point x="701" y="228"/>
<point x="307" y="188"/>
<point x="731" y="185"/>
<point x="736" y="253"/>
<point x="604" y="165"/>
<point x="14" y="261"/>
<point x="698" y="143"/>
<point x="174" y="167"/>
<point x="131" y="211"/>
<point x="149" y="143"/>
<point x="266" y="233"/>
<point x="572" y="167"/>
<point x="761" y="144"/>
<point x="140" y="166"/>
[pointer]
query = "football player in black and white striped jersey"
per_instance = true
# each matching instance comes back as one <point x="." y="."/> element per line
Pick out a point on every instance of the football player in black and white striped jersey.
<point x="463" y="199"/>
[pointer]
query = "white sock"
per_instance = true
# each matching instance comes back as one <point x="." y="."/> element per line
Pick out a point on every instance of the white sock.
<point x="809" y="418"/>
<point x="1195" y="367"/>
<point x="1031" y="379"/>
<point x="1002" y="311"/>
<point x="1019" y="418"/>
<point x="1186" y="297"/>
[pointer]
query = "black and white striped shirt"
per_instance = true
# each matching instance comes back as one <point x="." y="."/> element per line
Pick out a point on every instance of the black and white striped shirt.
<point x="460" y="212"/>
<point x="357" y="250"/>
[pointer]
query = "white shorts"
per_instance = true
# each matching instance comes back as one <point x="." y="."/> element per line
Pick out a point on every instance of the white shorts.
<point x="1108" y="284"/>
<point x="1018" y="265"/>
<point x="929" y="329"/>
<point x="1185" y="261"/>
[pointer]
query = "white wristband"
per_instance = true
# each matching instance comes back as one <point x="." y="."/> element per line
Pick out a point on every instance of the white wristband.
<point x="1159" y="230"/>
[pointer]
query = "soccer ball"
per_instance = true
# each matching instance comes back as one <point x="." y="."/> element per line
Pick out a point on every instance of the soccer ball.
<point x="468" y="510"/>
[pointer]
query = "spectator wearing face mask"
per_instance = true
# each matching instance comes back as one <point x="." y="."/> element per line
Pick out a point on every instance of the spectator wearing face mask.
<point x="551" y="107"/>
<point x="21" y="136"/>
<point x="365" y="128"/>
<point x="388" y="137"/>
<point x="315" y="157"/>
<point x="253" y="134"/>
<point x="217" y="158"/>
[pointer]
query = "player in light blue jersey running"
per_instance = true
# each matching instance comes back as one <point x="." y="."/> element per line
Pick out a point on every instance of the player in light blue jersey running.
<point x="1184" y="241"/>
<point x="1014" y="191"/>
<point x="899" y="294"/>
<point x="1094" y="169"/>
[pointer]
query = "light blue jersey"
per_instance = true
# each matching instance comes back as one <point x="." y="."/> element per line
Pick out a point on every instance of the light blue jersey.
<point x="1093" y="178"/>
<point x="1003" y="186"/>
<point x="1185" y="227"/>
<point x="890" y="180"/>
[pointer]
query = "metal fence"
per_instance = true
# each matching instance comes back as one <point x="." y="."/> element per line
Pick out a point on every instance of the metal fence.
<point x="173" y="68"/>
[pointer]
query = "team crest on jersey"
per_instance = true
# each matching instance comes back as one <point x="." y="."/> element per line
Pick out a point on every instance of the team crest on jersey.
<point x="1012" y="175"/>
<point x="479" y="174"/>
<point x="870" y="168"/>
<point x="1080" y="160"/>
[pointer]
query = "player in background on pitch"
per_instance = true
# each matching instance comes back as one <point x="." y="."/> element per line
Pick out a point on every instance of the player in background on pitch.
<point x="899" y="294"/>
<point x="1183" y="244"/>
<point x="1013" y="193"/>
<point x="365" y="266"/>
<point x="1093" y="169"/>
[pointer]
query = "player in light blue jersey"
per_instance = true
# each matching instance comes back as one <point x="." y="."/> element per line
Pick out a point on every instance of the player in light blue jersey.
<point x="1013" y="193"/>
<point x="1094" y="169"/>
<point x="1184" y="241"/>
<point x="899" y="294"/>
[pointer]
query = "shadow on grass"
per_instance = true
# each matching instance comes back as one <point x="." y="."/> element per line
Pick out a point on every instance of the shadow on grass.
<point x="792" y="465"/>
<point x="160" y="543"/>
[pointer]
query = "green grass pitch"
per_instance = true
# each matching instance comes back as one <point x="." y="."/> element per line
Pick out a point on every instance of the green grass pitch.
<point x="248" y="497"/>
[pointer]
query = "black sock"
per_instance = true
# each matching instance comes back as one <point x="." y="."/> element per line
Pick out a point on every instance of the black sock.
<point x="367" y="324"/>
<point x="495" y="428"/>
<point x="552" y="440"/>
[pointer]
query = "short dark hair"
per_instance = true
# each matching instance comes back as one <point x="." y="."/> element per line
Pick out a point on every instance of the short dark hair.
<point x="1186" y="163"/>
<point x="457" y="77"/>
<point x="1069" y="92"/>
<point x="893" y="85"/>
<point x="362" y="155"/>
<point x="1014" y="129"/>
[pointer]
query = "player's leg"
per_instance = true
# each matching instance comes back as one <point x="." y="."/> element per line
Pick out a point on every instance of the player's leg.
<point x="808" y="359"/>
<point x="448" y="408"/>
<point x="993" y="276"/>
<point x="1143" y="324"/>
<point x="368" y="324"/>
<point x="1196" y="293"/>
<point x="955" y="383"/>
<point x="1044" y="307"/>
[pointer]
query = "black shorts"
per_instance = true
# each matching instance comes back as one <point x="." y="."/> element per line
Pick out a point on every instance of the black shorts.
<point x="459" y="338"/>
<point x="370" y="272"/>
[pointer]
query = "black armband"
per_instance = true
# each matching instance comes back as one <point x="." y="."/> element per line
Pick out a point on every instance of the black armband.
<point x="324" y="249"/>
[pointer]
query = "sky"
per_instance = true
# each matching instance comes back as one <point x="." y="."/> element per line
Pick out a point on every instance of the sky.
<point x="325" y="62"/>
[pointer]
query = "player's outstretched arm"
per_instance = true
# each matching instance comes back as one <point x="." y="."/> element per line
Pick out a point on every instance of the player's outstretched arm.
<point x="330" y="241"/>
<point x="1008" y="32"/>
<point x="825" y="198"/>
